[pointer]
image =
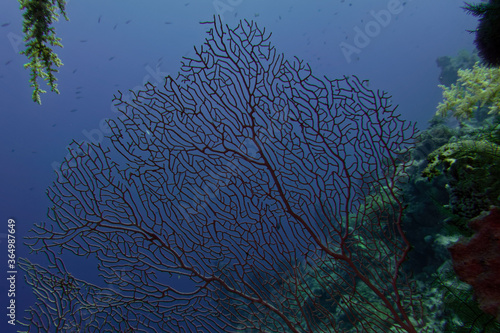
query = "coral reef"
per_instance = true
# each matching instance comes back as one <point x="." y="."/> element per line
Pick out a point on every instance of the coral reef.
<point x="425" y="212"/>
<point x="465" y="162"/>
<point x="465" y="166"/>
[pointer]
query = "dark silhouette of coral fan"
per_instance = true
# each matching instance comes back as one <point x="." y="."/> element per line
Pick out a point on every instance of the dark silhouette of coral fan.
<point x="247" y="195"/>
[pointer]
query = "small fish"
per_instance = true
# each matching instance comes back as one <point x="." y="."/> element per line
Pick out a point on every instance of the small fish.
<point x="111" y="58"/>
<point x="54" y="125"/>
<point x="128" y="21"/>
<point x="5" y="25"/>
<point x="168" y="22"/>
<point x="73" y="110"/>
<point x="83" y="41"/>
<point x="78" y="92"/>
<point x="8" y="62"/>
<point x="99" y="19"/>
<point x="79" y="87"/>
<point x="114" y="28"/>
<point x="74" y="71"/>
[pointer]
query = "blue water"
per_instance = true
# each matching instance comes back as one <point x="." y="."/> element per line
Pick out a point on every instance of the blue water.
<point x="122" y="44"/>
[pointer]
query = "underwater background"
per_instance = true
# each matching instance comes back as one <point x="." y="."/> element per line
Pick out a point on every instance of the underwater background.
<point x="116" y="46"/>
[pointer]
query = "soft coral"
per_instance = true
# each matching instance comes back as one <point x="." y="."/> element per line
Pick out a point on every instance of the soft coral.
<point x="477" y="261"/>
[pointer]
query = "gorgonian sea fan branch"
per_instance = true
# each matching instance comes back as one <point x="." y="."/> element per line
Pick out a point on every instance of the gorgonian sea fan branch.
<point x="245" y="195"/>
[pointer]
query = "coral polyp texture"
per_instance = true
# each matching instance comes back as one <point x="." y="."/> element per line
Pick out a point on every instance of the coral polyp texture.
<point x="245" y="195"/>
